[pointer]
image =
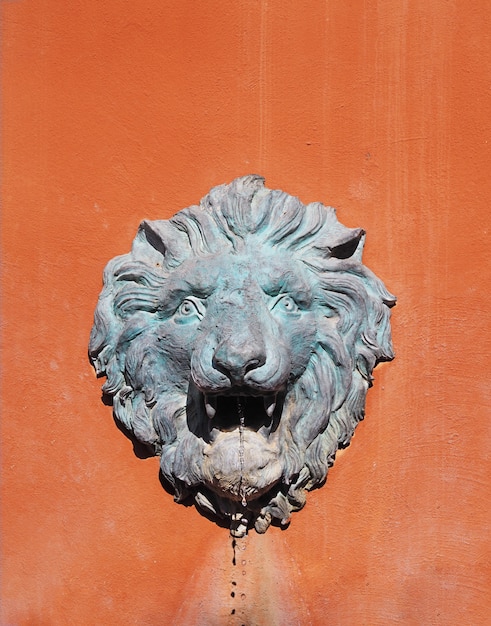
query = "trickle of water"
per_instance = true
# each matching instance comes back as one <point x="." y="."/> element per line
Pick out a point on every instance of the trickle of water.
<point x="242" y="491"/>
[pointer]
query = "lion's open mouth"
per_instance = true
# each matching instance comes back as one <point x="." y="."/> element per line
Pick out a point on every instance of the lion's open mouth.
<point x="226" y="413"/>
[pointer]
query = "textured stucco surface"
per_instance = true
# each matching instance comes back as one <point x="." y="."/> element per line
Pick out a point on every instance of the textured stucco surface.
<point x="114" y="111"/>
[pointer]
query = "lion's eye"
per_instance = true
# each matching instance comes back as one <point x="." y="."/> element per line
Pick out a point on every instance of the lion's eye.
<point x="286" y="304"/>
<point x="190" y="309"/>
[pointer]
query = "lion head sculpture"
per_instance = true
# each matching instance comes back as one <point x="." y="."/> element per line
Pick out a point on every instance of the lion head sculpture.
<point x="238" y="339"/>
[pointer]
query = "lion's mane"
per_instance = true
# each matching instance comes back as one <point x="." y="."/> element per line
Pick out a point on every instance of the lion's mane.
<point x="152" y="401"/>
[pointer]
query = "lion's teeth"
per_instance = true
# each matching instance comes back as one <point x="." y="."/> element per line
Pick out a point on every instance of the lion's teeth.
<point x="269" y="405"/>
<point x="210" y="406"/>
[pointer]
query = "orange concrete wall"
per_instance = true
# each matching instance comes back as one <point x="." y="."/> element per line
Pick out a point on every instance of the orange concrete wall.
<point x="114" y="111"/>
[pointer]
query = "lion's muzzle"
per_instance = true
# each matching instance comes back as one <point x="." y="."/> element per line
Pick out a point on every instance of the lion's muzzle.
<point x="234" y="366"/>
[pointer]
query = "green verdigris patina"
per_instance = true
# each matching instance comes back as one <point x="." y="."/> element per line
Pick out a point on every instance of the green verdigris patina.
<point x="238" y="339"/>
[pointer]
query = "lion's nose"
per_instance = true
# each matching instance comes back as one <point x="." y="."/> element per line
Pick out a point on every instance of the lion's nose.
<point x="236" y="359"/>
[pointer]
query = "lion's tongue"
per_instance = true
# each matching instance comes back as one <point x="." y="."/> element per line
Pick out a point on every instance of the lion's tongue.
<point x="256" y="470"/>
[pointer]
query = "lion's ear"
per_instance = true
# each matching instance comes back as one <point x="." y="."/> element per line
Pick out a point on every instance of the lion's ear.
<point x="159" y="240"/>
<point x="350" y="246"/>
<point x="155" y="234"/>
